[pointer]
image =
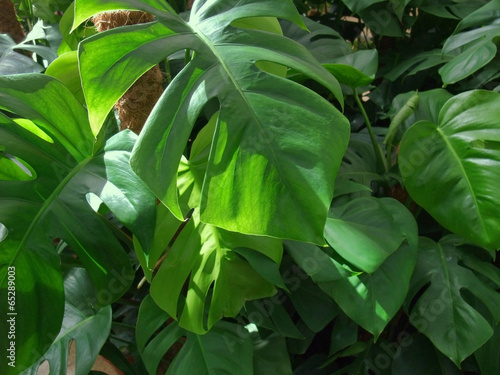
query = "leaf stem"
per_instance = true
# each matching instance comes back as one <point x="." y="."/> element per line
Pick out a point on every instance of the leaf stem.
<point x="376" y="147"/>
<point x="119" y="324"/>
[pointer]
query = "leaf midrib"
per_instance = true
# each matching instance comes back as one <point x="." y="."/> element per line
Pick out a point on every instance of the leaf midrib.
<point x="45" y="206"/>
<point x="466" y="177"/>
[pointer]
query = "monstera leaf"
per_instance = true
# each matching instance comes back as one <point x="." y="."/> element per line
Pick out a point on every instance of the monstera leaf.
<point x="454" y="305"/>
<point x="89" y="329"/>
<point x="452" y="168"/>
<point x="276" y="146"/>
<point x="55" y="167"/>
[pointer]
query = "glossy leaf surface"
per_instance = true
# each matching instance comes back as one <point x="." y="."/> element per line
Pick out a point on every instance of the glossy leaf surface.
<point x="452" y="168"/>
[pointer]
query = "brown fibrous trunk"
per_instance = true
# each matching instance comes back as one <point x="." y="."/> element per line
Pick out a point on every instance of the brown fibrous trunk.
<point x="9" y="24"/>
<point x="136" y="104"/>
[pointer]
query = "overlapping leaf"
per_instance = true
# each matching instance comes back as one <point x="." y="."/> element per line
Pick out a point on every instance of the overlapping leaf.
<point x="208" y="272"/>
<point x="226" y="349"/>
<point x="371" y="298"/>
<point x="452" y="168"/>
<point x="455" y="324"/>
<point x="53" y="146"/>
<point x="219" y="281"/>
<point x="473" y="48"/>
<point x="367" y="230"/>
<point x="428" y="107"/>
<point x="276" y="146"/>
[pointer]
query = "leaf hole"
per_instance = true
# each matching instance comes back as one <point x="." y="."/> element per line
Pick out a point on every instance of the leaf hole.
<point x="478" y="305"/>
<point x="346" y="161"/>
<point x="94" y="201"/>
<point x="417" y="296"/>
<point x="485" y="144"/>
<point x="272" y="67"/>
<point x="3" y="232"/>
<point x="15" y="169"/>
<point x="43" y="368"/>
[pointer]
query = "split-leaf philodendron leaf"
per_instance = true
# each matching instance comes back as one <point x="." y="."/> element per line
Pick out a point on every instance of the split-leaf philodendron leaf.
<point x="454" y="305"/>
<point x="277" y="145"/>
<point x="55" y="170"/>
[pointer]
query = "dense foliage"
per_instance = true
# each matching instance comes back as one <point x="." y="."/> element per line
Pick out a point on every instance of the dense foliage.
<point x="315" y="192"/>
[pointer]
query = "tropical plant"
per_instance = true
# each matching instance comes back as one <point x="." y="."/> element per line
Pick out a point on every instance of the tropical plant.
<point x="315" y="191"/>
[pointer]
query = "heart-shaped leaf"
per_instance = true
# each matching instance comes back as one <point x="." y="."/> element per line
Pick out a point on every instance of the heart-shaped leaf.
<point x="452" y="168"/>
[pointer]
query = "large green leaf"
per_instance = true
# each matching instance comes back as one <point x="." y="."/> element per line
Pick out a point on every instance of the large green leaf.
<point x="88" y="328"/>
<point x="453" y="306"/>
<point x="55" y="147"/>
<point x="224" y="269"/>
<point x="452" y="169"/>
<point x="226" y="349"/>
<point x="269" y="170"/>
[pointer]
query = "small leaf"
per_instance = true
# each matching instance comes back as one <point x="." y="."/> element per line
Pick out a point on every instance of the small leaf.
<point x="355" y="69"/>
<point x="367" y="230"/>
